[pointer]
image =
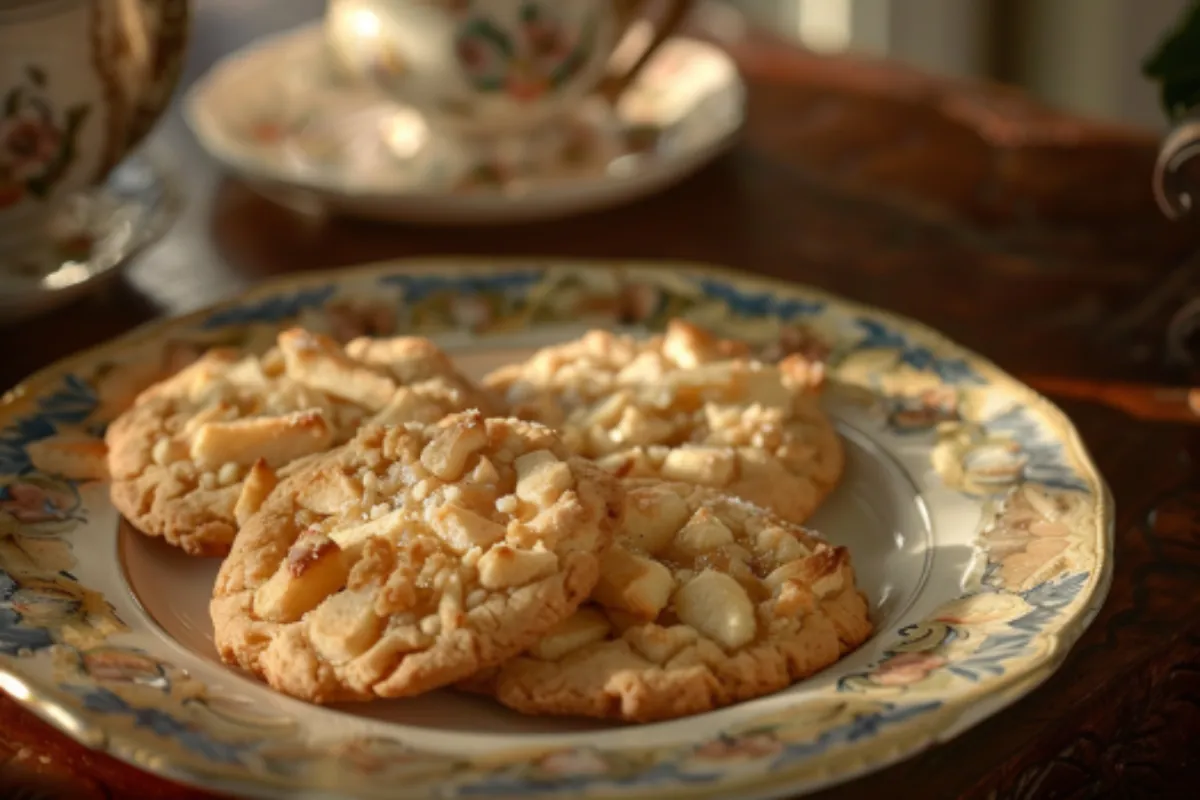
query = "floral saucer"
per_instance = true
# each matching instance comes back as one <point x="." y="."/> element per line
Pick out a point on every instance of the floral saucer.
<point x="979" y="527"/>
<point x="90" y="237"/>
<point x="280" y="116"/>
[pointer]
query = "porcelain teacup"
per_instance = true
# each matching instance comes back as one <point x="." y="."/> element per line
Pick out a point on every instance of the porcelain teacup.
<point x="496" y="72"/>
<point x="81" y="82"/>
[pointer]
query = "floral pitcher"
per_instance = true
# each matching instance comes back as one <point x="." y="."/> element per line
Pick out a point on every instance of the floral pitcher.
<point x="81" y="82"/>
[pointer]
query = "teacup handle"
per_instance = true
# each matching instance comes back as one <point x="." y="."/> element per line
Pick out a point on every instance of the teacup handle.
<point x="167" y="22"/>
<point x="628" y="12"/>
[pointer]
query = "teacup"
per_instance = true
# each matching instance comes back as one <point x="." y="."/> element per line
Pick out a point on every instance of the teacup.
<point x="494" y="70"/>
<point x="81" y="82"/>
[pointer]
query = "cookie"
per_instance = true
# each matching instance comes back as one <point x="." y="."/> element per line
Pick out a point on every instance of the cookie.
<point x="686" y="406"/>
<point x="703" y="601"/>
<point x="199" y="450"/>
<point x="412" y="557"/>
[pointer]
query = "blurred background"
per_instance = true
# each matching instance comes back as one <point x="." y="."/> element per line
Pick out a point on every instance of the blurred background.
<point x="1082" y="56"/>
<point x="1079" y="55"/>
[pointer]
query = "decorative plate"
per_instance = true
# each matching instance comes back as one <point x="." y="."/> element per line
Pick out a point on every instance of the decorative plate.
<point x="980" y="530"/>
<point x="277" y="114"/>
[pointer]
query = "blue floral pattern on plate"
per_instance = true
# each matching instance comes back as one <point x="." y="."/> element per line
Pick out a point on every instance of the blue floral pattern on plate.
<point x="950" y="370"/>
<point x="60" y="637"/>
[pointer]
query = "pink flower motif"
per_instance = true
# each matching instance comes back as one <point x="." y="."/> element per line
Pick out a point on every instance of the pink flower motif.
<point x="30" y="503"/>
<point x="268" y="131"/>
<point x="755" y="745"/>
<point x="574" y="762"/>
<point x="546" y="40"/>
<point x="526" y="83"/>
<point x="906" y="669"/>
<point x="116" y="665"/>
<point x="471" y="54"/>
<point x="28" y="144"/>
<point x="926" y="410"/>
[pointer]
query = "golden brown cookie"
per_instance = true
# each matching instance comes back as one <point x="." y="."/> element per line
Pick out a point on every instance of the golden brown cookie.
<point x="703" y="601"/>
<point x="412" y="557"/>
<point x="687" y="407"/>
<point x="198" y="451"/>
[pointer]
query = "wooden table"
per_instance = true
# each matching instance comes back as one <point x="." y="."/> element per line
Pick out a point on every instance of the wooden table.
<point x="1027" y="235"/>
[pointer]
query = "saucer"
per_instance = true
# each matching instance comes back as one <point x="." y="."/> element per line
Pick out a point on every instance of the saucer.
<point x="279" y="116"/>
<point x="92" y="235"/>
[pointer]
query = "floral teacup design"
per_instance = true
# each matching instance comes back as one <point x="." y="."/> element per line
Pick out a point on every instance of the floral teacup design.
<point x="490" y="71"/>
<point x="69" y="112"/>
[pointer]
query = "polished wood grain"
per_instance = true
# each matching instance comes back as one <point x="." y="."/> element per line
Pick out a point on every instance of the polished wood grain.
<point x="1028" y="235"/>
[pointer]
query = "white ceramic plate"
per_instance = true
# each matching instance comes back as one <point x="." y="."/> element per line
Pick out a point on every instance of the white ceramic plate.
<point x="277" y="115"/>
<point x="978" y="526"/>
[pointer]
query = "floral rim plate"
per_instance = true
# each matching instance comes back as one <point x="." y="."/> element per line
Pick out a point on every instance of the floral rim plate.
<point x="980" y="530"/>
<point x="277" y="114"/>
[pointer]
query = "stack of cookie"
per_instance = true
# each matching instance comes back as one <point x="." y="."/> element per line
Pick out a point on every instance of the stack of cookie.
<point x="611" y="528"/>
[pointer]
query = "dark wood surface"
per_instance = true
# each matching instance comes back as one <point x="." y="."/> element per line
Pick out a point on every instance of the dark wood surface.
<point x="1028" y="235"/>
